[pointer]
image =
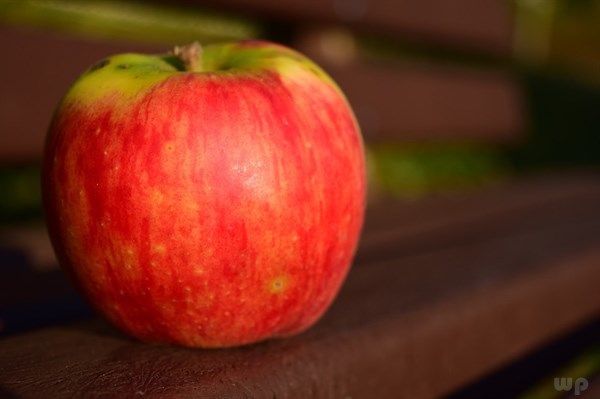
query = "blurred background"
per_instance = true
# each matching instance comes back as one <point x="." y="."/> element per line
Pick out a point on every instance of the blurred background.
<point x="449" y="95"/>
<point x="452" y="96"/>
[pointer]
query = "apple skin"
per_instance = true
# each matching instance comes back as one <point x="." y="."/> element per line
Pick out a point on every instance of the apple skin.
<point x="211" y="203"/>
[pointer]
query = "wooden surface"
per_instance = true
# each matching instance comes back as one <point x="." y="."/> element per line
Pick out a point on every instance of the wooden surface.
<point x="592" y="392"/>
<point x="42" y="68"/>
<point x="467" y="25"/>
<point x="443" y="291"/>
<point x="410" y="100"/>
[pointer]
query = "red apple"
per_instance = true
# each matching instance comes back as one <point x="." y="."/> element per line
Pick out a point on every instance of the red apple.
<point x="209" y="197"/>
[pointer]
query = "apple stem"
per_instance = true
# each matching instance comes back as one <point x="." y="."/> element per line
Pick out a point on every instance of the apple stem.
<point x="190" y="54"/>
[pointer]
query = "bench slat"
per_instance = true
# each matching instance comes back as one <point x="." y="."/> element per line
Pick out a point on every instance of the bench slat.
<point x="413" y="324"/>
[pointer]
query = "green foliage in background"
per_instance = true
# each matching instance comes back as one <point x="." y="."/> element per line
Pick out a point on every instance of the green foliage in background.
<point x="564" y="129"/>
<point x="128" y="21"/>
<point x="414" y="170"/>
<point x="21" y="199"/>
<point x="561" y="35"/>
<point x="584" y="365"/>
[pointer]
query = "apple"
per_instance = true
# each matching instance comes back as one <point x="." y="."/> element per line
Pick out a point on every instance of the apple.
<point x="208" y="197"/>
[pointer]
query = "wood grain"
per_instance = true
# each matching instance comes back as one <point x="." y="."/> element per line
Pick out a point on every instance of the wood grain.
<point x="501" y="273"/>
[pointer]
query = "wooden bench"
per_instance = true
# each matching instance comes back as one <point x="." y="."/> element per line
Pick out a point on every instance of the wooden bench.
<point x="444" y="290"/>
